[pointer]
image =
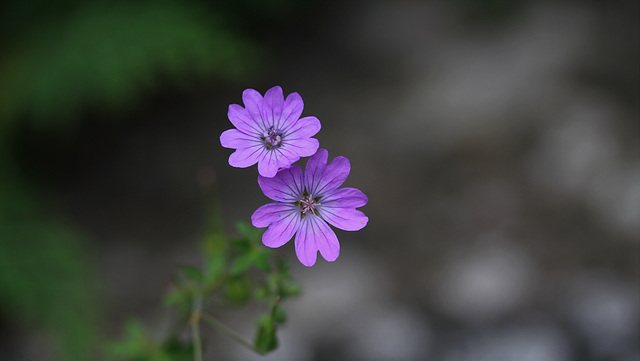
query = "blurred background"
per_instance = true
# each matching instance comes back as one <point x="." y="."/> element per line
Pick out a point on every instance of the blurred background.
<point x="497" y="141"/>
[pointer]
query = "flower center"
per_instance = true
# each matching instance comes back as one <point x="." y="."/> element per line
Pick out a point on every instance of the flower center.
<point x="272" y="137"/>
<point x="308" y="204"/>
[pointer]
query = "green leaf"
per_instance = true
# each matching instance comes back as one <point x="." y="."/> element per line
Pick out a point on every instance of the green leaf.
<point x="242" y="264"/>
<point x="181" y="298"/>
<point x="262" y="293"/>
<point x="282" y="265"/>
<point x="133" y="343"/>
<point x="177" y="350"/>
<point x="238" y="290"/>
<point x="266" y="339"/>
<point x="249" y="232"/>
<point x="290" y="289"/>
<point x="215" y="249"/>
<point x="241" y="245"/>
<point x="262" y="260"/>
<point x="192" y="273"/>
<point x="214" y="268"/>
<point x="280" y="315"/>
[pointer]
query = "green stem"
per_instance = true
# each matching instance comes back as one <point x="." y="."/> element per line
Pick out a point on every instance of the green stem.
<point x="213" y="322"/>
<point x="196" y="315"/>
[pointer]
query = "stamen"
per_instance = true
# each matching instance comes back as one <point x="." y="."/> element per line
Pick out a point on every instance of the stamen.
<point x="309" y="204"/>
<point x="272" y="137"/>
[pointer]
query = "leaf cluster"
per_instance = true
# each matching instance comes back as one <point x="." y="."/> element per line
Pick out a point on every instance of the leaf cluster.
<point x="234" y="273"/>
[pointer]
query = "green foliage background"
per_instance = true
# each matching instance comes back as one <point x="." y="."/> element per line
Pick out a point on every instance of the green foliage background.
<point x="106" y="53"/>
<point x="58" y="59"/>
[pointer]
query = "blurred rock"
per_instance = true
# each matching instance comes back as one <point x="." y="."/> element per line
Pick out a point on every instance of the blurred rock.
<point x="334" y="292"/>
<point x="486" y="86"/>
<point x="615" y="198"/>
<point x="485" y="281"/>
<point x="348" y="308"/>
<point x="581" y="157"/>
<point x="391" y="332"/>
<point x="536" y="342"/>
<point x="605" y="311"/>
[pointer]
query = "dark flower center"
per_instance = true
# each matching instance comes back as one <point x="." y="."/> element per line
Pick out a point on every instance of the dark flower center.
<point x="272" y="138"/>
<point x="308" y="204"/>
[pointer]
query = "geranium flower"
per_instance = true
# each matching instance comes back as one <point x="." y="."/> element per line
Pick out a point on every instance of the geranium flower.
<point x="269" y="131"/>
<point x="304" y="205"/>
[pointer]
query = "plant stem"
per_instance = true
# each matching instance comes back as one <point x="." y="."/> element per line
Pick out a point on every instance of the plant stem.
<point x="213" y="322"/>
<point x="196" y="315"/>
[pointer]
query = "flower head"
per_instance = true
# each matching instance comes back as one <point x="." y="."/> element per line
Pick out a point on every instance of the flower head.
<point x="305" y="203"/>
<point x="269" y="131"/>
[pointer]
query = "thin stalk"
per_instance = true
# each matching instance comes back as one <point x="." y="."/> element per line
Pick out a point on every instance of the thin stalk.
<point x="196" y="315"/>
<point x="213" y="322"/>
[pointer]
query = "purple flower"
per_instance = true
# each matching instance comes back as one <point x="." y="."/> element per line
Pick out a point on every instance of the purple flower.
<point x="269" y="131"/>
<point x="304" y="205"/>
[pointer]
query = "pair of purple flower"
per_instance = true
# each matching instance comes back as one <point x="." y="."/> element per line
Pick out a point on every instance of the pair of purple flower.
<point x="270" y="132"/>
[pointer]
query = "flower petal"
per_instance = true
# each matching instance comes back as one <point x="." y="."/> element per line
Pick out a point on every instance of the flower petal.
<point x="286" y="156"/>
<point x="306" y="248"/>
<point x="304" y="128"/>
<point x="347" y="219"/>
<point x="271" y="213"/>
<point x="291" y="111"/>
<point x="235" y="139"/>
<point x="326" y="240"/>
<point x="302" y="147"/>
<point x="268" y="165"/>
<point x="334" y="175"/>
<point x="246" y="157"/>
<point x="315" y="235"/>
<point x="315" y="169"/>
<point x="345" y="198"/>
<point x="272" y="105"/>
<point x="286" y="186"/>
<point x="253" y="105"/>
<point x="320" y="178"/>
<point x="242" y="120"/>
<point x="282" y="231"/>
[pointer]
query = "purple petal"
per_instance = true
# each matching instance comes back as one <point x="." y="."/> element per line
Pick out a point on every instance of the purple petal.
<point x="345" y="198"/>
<point x="286" y="186"/>
<point x="268" y="165"/>
<point x="315" y="235"/>
<point x="304" y="128"/>
<point x="291" y="111"/>
<point x="246" y="157"/>
<point x="282" y="231"/>
<point x="274" y="160"/>
<point x="242" y="120"/>
<point x="272" y="105"/>
<point x="306" y="249"/>
<point x="347" y="219"/>
<point x="253" y="105"/>
<point x="321" y="179"/>
<point x="271" y="213"/>
<point x="302" y="147"/>
<point x="235" y="139"/>
<point x="334" y="175"/>
<point x="286" y="156"/>
<point x="315" y="168"/>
